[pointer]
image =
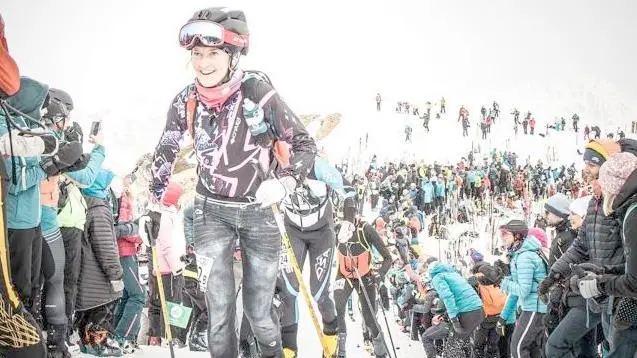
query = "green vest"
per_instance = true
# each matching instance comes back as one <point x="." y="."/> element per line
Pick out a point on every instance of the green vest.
<point x="73" y="214"/>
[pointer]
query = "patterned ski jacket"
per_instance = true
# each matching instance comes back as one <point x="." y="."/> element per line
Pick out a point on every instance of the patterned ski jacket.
<point x="231" y="162"/>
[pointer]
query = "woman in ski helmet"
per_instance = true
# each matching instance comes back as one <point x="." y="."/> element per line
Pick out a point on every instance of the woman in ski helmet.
<point x="234" y="118"/>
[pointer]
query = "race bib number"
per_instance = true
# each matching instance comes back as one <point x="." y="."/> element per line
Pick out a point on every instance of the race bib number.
<point x="339" y="284"/>
<point x="204" y="265"/>
<point x="284" y="260"/>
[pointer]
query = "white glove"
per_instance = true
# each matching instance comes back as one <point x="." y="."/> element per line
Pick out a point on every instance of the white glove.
<point x="345" y="232"/>
<point x="272" y="191"/>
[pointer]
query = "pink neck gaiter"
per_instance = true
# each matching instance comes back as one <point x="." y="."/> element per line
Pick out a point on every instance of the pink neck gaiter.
<point x="215" y="97"/>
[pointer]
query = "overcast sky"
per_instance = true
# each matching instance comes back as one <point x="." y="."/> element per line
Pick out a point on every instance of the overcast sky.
<point x="325" y="55"/>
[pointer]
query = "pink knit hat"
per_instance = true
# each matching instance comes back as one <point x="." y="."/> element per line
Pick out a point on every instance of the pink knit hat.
<point x="615" y="171"/>
<point x="539" y="234"/>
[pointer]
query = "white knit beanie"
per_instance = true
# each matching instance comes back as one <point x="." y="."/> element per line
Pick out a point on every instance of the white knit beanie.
<point x="580" y="206"/>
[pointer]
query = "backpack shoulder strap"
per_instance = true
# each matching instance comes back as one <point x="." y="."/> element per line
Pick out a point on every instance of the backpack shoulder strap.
<point x="628" y="211"/>
<point x="191" y="108"/>
<point x="250" y="76"/>
<point x="362" y="238"/>
<point x="544" y="259"/>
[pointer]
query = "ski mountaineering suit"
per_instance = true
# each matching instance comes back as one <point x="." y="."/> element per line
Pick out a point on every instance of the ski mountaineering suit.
<point x="231" y="164"/>
<point x="309" y="222"/>
<point x="355" y="255"/>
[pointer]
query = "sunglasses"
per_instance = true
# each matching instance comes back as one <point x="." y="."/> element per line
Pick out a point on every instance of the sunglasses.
<point x="209" y="34"/>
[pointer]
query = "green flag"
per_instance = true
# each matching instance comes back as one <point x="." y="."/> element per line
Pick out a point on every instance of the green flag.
<point x="178" y="314"/>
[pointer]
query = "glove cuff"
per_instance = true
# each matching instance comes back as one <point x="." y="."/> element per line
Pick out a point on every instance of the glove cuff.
<point x="49" y="167"/>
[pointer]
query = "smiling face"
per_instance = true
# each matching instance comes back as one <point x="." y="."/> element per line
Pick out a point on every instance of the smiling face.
<point x="211" y="65"/>
<point x="590" y="172"/>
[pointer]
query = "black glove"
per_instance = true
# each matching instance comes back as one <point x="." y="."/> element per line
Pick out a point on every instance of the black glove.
<point x="79" y="164"/>
<point x="74" y="133"/>
<point x="185" y="259"/>
<point x="545" y="286"/>
<point x="457" y="327"/>
<point x="152" y="226"/>
<point x="504" y="267"/>
<point x="591" y="267"/>
<point x="126" y="229"/>
<point x="573" y="284"/>
<point x="50" y="143"/>
<point x="68" y="153"/>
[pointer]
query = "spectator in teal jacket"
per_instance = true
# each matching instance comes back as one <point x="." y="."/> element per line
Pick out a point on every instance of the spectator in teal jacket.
<point x="464" y="306"/>
<point x="23" y="199"/>
<point x="527" y="270"/>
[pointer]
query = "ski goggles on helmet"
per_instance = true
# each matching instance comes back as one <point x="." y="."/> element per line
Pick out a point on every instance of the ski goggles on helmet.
<point x="209" y="34"/>
<point x="504" y="232"/>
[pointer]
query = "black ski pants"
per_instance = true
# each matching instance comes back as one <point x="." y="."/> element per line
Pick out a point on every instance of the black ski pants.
<point x="527" y="338"/>
<point x="431" y="336"/>
<point x="72" y="238"/>
<point x="20" y="336"/>
<point x="195" y="299"/>
<point x="571" y="337"/>
<point x="173" y="287"/>
<point x="343" y="289"/>
<point x="486" y="339"/>
<point x="458" y="344"/>
<point x="53" y="262"/>
<point x="25" y="252"/>
<point x="319" y="245"/>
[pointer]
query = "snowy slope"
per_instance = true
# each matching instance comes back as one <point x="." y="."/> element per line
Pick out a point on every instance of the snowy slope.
<point x="444" y="143"/>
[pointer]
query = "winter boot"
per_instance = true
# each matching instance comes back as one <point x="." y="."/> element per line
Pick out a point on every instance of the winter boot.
<point x="330" y="338"/>
<point x="248" y="348"/>
<point x="379" y="346"/>
<point x="56" y="345"/>
<point x="199" y="342"/>
<point x="98" y="343"/>
<point x="341" y="345"/>
<point x="177" y="343"/>
<point x="127" y="346"/>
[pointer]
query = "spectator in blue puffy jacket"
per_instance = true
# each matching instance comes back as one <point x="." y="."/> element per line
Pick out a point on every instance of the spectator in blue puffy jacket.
<point x="527" y="270"/>
<point x="440" y="192"/>
<point x="428" y="194"/>
<point x="464" y="307"/>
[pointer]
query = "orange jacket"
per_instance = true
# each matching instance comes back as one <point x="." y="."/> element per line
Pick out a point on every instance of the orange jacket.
<point x="9" y="73"/>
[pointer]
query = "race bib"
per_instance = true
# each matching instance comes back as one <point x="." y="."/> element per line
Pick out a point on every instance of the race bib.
<point x="204" y="265"/>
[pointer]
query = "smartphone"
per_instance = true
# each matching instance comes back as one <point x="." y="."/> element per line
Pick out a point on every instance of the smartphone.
<point x="95" y="127"/>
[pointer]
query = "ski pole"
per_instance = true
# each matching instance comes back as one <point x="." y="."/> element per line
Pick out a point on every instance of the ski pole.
<point x="299" y="277"/>
<point x="162" y="294"/>
<point x="391" y="339"/>
<point x="368" y="301"/>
